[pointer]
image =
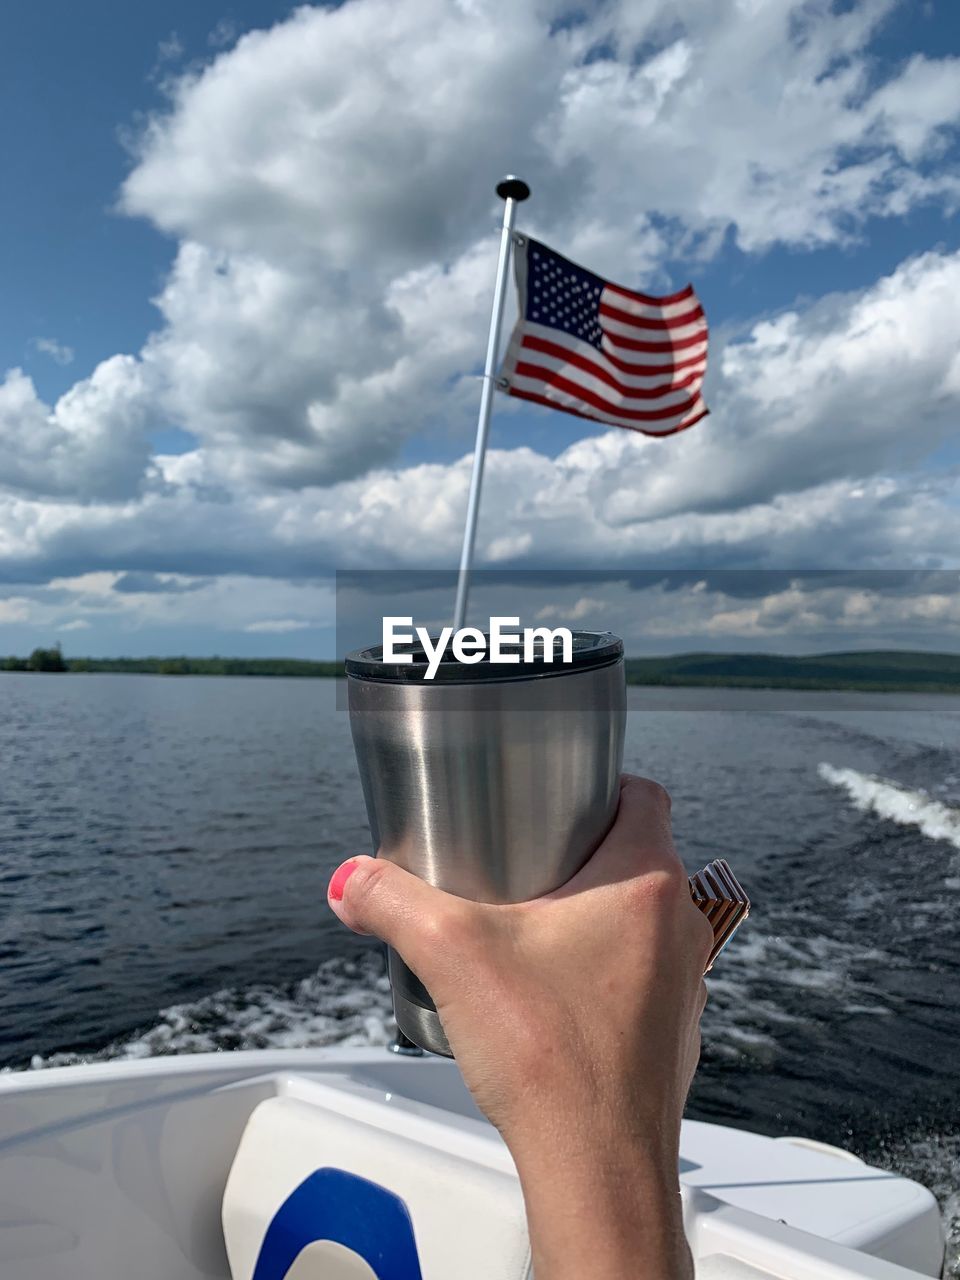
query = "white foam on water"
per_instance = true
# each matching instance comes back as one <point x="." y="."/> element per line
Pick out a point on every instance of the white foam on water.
<point x="761" y="972"/>
<point x="345" y="1002"/>
<point x="886" y="799"/>
<point x="934" y="1160"/>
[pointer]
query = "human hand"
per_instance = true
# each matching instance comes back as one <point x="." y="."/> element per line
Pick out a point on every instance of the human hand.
<point x="574" y="1019"/>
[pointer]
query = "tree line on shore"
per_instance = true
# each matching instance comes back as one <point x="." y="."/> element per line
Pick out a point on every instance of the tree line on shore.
<point x="880" y="670"/>
<point x="53" y="660"/>
<point x="39" y="660"/>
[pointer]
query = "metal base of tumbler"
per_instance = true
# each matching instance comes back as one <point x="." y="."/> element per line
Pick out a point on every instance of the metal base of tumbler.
<point x="414" y="1009"/>
<point x="420" y="1025"/>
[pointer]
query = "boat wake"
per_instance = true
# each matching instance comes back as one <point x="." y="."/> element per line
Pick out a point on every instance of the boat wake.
<point x="895" y="803"/>
<point x="346" y="1001"/>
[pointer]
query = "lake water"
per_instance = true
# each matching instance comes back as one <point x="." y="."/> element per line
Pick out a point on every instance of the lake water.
<point x="165" y="846"/>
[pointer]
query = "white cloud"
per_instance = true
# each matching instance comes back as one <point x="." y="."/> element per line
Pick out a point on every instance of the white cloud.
<point x="341" y="131"/>
<point x="583" y="607"/>
<point x="657" y="613"/>
<point x="223" y="34"/>
<point x="110" y="602"/>
<point x="510" y="547"/>
<point x="821" y="417"/>
<point x="287" y="384"/>
<point x="653" y="612"/>
<point x="88" y="587"/>
<point x="376" y="522"/>
<point x="170" y="49"/>
<point x="277" y="626"/>
<point x="328" y="183"/>
<point x="14" y="609"/>
<point x="90" y="445"/>
<point x="856" y="385"/>
<point x="338" y="136"/>
<point x="57" y="351"/>
<point x="797" y="612"/>
<point x="914" y="109"/>
<point x="760" y="117"/>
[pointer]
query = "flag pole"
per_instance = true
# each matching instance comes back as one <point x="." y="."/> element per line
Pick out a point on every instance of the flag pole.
<point x="512" y="191"/>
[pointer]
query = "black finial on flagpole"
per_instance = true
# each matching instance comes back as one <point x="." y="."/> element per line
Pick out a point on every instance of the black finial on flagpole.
<point x="512" y="188"/>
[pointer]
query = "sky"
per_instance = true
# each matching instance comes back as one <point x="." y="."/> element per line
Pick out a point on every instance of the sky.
<point x="247" y="256"/>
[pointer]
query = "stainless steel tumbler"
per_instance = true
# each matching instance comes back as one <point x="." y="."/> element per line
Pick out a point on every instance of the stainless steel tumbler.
<point x="490" y="781"/>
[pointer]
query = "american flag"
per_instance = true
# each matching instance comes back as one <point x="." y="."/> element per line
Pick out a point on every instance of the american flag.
<point x="595" y="349"/>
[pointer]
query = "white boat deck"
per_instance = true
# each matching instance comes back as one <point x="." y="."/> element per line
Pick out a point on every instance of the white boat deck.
<point x="118" y="1170"/>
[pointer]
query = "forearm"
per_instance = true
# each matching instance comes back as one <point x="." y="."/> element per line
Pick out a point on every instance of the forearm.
<point x="611" y="1214"/>
<point x="578" y="1051"/>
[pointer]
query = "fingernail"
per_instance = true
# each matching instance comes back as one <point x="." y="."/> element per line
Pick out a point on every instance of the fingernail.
<point x="339" y="879"/>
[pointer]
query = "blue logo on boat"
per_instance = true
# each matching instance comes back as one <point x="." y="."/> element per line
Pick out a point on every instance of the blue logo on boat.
<point x="360" y="1215"/>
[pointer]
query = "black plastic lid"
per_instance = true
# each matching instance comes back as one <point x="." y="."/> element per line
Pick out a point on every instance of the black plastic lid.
<point x="590" y="649"/>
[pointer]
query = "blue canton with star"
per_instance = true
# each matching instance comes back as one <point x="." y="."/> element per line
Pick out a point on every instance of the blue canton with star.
<point x="562" y="295"/>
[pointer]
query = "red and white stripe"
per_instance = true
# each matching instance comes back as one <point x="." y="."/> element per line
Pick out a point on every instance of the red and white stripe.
<point x="647" y="377"/>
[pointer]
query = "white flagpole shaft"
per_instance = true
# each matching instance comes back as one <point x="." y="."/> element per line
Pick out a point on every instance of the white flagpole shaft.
<point x="486" y="407"/>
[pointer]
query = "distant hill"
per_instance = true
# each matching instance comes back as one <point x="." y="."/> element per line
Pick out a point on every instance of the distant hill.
<point x="894" y="670"/>
<point x="880" y="670"/>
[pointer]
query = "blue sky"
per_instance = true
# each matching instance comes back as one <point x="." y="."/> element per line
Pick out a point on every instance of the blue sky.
<point x="74" y="82"/>
<point x="310" y="206"/>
